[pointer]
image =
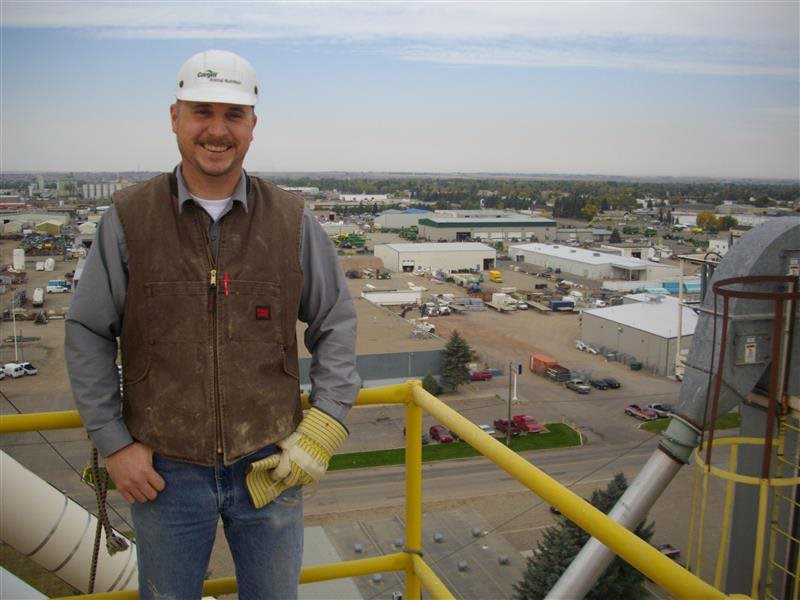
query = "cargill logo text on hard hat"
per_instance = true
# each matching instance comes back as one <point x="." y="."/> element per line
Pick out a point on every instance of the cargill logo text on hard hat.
<point x="207" y="73"/>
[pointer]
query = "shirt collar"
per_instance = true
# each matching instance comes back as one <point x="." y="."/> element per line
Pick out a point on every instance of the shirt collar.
<point x="184" y="195"/>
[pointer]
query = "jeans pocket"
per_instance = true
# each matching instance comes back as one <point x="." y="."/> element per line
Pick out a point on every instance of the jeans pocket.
<point x="291" y="496"/>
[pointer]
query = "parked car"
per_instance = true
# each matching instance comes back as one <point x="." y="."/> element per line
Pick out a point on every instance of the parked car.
<point x="441" y="434"/>
<point x="425" y="438"/>
<point x="669" y="551"/>
<point x="578" y="385"/>
<point x="28" y="368"/>
<point x="662" y="409"/>
<point x="522" y="305"/>
<point x="13" y="370"/>
<point x="600" y="384"/>
<point x="480" y="376"/>
<point x="487" y="429"/>
<point x="640" y="412"/>
<point x="612" y="383"/>
<point x="579" y="345"/>
<point x="501" y="425"/>
<point x="527" y="424"/>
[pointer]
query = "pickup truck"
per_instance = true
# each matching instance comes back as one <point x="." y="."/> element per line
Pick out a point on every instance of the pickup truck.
<point x="558" y="373"/>
<point x="501" y="425"/>
<point x="527" y="423"/>
<point x="520" y="425"/>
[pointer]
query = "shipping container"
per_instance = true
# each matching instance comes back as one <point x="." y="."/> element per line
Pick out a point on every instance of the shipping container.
<point x="540" y="363"/>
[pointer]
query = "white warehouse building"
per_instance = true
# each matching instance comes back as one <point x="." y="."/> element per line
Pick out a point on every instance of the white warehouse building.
<point x="645" y="331"/>
<point x="396" y="219"/>
<point x="590" y="263"/>
<point x="459" y="256"/>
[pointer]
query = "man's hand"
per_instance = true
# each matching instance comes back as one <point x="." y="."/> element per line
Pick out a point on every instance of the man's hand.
<point x="303" y="459"/>
<point x="131" y="470"/>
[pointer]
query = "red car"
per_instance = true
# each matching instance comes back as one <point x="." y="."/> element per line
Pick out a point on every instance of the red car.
<point x="480" y="376"/>
<point x="441" y="434"/>
<point x="640" y="412"/>
<point x="527" y="423"/>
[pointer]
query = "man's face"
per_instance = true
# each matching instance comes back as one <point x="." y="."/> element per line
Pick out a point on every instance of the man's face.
<point x="213" y="138"/>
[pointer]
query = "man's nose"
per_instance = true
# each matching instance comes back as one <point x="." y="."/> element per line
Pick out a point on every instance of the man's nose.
<point x="217" y="126"/>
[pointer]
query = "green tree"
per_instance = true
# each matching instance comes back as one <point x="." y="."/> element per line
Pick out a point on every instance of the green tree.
<point x="589" y="211"/>
<point x="615" y="237"/>
<point x="707" y="220"/>
<point x="430" y="384"/>
<point x="726" y="222"/>
<point x="563" y="541"/>
<point x="455" y="357"/>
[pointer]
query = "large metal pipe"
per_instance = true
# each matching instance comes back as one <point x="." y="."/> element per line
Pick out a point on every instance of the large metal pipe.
<point x="761" y="251"/>
<point x="587" y="567"/>
<point x="58" y="533"/>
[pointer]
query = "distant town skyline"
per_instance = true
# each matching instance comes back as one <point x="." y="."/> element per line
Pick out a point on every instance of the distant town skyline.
<point x="657" y="89"/>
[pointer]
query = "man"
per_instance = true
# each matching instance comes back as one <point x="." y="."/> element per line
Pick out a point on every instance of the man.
<point x="201" y="274"/>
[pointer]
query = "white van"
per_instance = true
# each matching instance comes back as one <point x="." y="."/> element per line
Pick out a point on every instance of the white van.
<point x="13" y="370"/>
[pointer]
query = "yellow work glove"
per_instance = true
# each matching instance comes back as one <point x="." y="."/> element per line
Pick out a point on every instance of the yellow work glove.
<point x="303" y="459"/>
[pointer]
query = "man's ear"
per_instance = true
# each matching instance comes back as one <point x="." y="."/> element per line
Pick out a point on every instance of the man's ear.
<point x="173" y="114"/>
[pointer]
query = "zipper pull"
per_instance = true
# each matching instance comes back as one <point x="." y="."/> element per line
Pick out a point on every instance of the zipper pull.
<point x="212" y="290"/>
<point x="226" y="283"/>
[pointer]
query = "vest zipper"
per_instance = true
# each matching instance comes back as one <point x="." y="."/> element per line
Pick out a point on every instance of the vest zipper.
<point x="212" y="308"/>
<point x="212" y="304"/>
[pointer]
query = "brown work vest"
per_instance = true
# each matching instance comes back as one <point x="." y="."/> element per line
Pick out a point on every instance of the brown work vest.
<point x="209" y="350"/>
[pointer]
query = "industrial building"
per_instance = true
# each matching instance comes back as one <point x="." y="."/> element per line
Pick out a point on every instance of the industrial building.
<point x="334" y="228"/>
<point x="589" y="263"/>
<point x="397" y="219"/>
<point x="436" y="256"/>
<point x="643" y="251"/>
<point x="583" y="235"/>
<point x="645" y="330"/>
<point x="500" y="226"/>
<point x="103" y="190"/>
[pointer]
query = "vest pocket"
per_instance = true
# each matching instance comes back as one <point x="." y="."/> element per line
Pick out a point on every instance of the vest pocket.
<point x="175" y="311"/>
<point x="250" y="311"/>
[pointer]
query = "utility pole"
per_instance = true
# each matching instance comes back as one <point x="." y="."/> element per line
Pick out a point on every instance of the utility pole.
<point x="516" y="372"/>
<point x="508" y="425"/>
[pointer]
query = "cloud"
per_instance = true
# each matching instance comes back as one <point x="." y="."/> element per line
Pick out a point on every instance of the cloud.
<point x="354" y="20"/>
<point x="719" y="38"/>
<point x="582" y="57"/>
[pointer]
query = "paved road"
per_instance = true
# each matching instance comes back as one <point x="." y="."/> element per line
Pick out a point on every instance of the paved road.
<point x="454" y="480"/>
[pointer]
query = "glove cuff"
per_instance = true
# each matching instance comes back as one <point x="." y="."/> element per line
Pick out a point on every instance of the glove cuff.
<point x="323" y="429"/>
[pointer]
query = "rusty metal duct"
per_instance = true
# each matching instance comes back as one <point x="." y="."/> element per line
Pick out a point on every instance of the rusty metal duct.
<point x="756" y="276"/>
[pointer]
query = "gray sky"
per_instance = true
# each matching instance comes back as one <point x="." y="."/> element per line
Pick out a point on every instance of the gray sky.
<point x="681" y="89"/>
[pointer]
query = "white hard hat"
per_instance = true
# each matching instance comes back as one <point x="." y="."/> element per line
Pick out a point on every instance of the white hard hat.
<point x="217" y="76"/>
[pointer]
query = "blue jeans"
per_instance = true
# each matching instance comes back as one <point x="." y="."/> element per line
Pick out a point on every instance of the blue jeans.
<point x="175" y="532"/>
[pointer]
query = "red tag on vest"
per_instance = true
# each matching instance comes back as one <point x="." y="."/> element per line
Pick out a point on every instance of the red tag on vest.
<point x="263" y="313"/>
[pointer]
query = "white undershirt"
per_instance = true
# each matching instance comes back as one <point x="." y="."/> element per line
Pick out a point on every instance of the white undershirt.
<point x="214" y="208"/>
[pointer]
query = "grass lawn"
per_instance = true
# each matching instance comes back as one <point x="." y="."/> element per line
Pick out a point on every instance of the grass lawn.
<point x="558" y="436"/>
<point x="729" y="420"/>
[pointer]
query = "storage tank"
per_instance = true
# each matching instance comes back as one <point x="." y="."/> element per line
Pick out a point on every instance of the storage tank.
<point x="49" y="264"/>
<point x="18" y="259"/>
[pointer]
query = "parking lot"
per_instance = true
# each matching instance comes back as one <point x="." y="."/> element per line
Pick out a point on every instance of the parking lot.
<point x="513" y="517"/>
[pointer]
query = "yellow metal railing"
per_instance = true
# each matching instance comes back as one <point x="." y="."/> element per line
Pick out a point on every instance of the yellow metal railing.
<point x="665" y="572"/>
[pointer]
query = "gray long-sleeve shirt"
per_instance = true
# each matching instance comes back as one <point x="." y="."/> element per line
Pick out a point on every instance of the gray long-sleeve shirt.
<point x="95" y="321"/>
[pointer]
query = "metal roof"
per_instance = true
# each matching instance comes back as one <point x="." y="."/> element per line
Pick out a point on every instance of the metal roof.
<point x="659" y="317"/>
<point x="591" y="257"/>
<point x="505" y="220"/>
<point x="443" y="247"/>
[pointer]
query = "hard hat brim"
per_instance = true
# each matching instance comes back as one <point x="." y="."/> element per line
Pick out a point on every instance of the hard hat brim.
<point x="221" y="95"/>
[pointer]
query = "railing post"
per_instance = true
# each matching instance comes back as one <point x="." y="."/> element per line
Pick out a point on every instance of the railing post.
<point x="413" y="492"/>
